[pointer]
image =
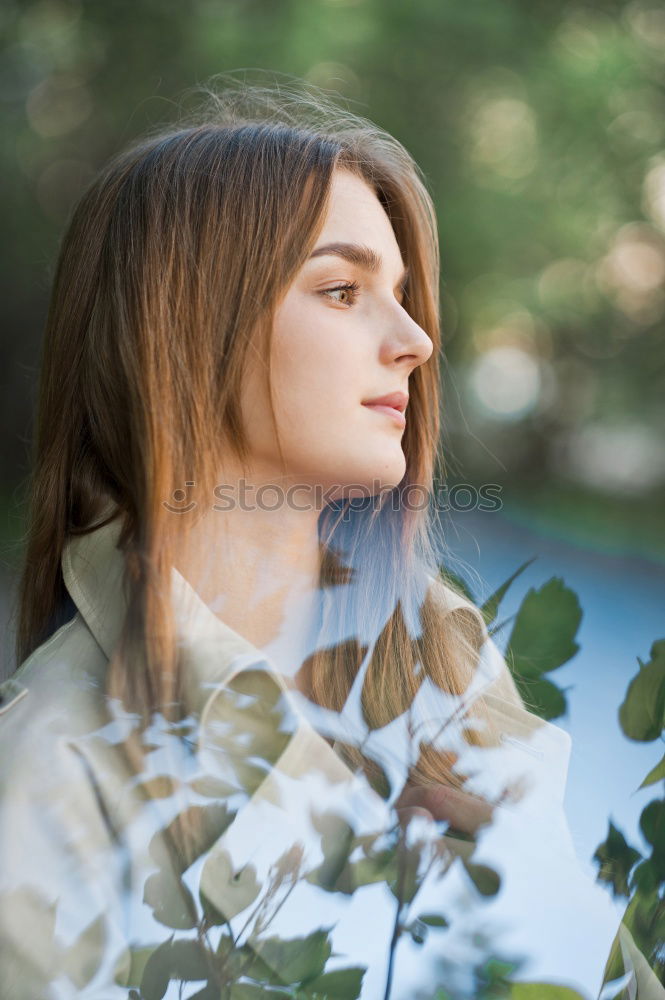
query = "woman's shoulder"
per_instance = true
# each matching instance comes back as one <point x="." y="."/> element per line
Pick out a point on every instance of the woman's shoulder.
<point x="57" y="693"/>
<point x="59" y="766"/>
<point x="62" y="864"/>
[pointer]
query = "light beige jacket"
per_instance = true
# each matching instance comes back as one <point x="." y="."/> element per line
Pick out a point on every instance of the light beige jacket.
<point x="85" y="871"/>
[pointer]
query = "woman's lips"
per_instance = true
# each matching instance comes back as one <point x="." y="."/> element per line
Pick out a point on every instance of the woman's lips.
<point x="397" y="415"/>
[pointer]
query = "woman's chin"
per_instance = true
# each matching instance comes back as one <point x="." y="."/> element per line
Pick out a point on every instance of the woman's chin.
<point x="376" y="479"/>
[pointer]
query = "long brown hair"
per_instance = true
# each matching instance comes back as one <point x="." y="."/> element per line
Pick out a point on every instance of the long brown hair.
<point x="168" y="275"/>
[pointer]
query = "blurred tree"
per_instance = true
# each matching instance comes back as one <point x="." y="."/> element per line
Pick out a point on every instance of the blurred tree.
<point x="540" y="130"/>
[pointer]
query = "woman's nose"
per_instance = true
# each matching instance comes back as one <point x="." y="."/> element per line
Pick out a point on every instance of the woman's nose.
<point x="407" y="341"/>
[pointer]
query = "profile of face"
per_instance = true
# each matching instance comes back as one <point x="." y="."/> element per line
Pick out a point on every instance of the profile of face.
<point x="341" y="337"/>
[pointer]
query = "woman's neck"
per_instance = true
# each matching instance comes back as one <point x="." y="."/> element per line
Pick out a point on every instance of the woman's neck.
<point x="258" y="570"/>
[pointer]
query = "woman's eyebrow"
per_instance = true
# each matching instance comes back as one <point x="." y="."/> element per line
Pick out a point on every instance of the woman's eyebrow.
<point x="359" y="254"/>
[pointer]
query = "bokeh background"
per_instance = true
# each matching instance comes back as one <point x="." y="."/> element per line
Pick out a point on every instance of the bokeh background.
<point x="540" y="129"/>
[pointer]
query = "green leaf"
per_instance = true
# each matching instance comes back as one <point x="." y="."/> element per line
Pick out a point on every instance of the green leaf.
<point x="211" y="787"/>
<point x="377" y="866"/>
<point x="652" y="823"/>
<point x="543" y="991"/>
<point x="645" y="877"/>
<point x="544" y="630"/>
<point x="485" y="879"/>
<point x="542" y="697"/>
<point x="642" y="713"/>
<point x="433" y="920"/>
<point x="138" y="959"/>
<point x="225" y="946"/>
<point x="249" y="991"/>
<point x="407" y="878"/>
<point x="657" y="859"/>
<point x="160" y="787"/>
<point x="343" y="984"/>
<point x="456" y="583"/>
<point x="337" y="843"/>
<point x="337" y="873"/>
<point x="344" y="882"/>
<point x="225" y="893"/>
<point x="616" y="859"/>
<point x="493" y="975"/>
<point x="249" y="725"/>
<point x="296" y="960"/>
<point x="645" y="919"/>
<point x="209" y="992"/>
<point x="209" y="822"/>
<point x="184" y="960"/>
<point x="657" y="773"/>
<point x="378" y="779"/>
<point x="171" y="901"/>
<point x="247" y="964"/>
<point x="490" y="608"/>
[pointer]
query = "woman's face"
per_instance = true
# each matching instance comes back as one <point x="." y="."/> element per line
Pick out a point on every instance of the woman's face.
<point x="334" y="348"/>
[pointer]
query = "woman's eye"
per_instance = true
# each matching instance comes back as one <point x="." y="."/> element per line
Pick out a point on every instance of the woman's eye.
<point x="349" y="289"/>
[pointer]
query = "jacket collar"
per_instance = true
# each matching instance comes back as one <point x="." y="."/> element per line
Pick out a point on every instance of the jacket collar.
<point x="211" y="653"/>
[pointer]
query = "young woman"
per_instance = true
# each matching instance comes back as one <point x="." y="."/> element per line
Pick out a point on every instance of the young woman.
<point x="237" y="655"/>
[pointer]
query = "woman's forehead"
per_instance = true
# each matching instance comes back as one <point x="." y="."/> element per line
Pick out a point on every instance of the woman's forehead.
<point x="357" y="228"/>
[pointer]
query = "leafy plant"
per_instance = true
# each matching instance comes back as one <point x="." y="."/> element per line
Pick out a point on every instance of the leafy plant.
<point x="542" y="638"/>
<point x="627" y="871"/>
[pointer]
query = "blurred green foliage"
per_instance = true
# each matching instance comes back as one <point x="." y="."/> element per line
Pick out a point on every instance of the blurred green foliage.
<point x="640" y="875"/>
<point x="542" y="636"/>
<point x="541" y="133"/>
